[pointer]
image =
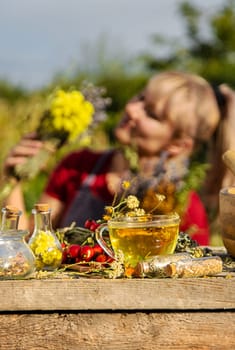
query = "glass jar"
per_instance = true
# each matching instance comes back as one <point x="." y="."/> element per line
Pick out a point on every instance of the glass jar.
<point x="16" y="258"/>
<point x="43" y="242"/>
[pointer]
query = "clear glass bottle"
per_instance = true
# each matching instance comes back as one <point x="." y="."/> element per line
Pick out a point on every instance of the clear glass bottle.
<point x="16" y="258"/>
<point x="155" y="266"/>
<point x="43" y="242"/>
<point x="198" y="267"/>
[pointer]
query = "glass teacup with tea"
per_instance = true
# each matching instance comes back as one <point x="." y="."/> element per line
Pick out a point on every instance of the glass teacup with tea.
<point x="139" y="237"/>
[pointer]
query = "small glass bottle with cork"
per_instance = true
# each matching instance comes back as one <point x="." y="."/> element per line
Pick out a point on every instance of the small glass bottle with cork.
<point x="179" y="265"/>
<point x="16" y="258"/>
<point x="43" y="242"/>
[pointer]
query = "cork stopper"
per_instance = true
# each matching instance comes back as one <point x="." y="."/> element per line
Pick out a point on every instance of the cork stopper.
<point x="170" y="270"/>
<point x="12" y="211"/>
<point x="41" y="207"/>
<point x="141" y="269"/>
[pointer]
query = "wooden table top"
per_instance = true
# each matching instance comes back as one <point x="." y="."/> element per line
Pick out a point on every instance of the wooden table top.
<point x="66" y="291"/>
<point x="119" y="294"/>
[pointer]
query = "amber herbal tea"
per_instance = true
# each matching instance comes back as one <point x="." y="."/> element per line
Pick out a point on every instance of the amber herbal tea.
<point x="140" y="237"/>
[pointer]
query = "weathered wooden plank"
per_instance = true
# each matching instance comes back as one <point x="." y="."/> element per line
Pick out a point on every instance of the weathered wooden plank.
<point x="120" y="294"/>
<point x="118" y="331"/>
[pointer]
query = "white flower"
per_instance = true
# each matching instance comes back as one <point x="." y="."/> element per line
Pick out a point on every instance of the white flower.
<point x="132" y="202"/>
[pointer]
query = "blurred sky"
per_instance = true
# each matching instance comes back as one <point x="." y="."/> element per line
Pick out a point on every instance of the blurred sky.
<point x="39" y="38"/>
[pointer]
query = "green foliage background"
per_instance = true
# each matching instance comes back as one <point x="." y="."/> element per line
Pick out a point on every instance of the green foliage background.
<point x="212" y="56"/>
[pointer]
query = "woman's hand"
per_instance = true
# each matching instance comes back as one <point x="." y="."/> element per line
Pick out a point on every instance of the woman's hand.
<point x="28" y="147"/>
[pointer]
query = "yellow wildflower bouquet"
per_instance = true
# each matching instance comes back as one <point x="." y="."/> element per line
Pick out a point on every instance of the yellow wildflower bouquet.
<point x="68" y="116"/>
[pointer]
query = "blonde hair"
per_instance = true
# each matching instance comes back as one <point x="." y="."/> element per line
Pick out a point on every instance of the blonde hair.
<point x="187" y="100"/>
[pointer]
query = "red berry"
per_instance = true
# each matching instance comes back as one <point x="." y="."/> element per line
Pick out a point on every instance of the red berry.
<point x="101" y="258"/>
<point x="97" y="249"/>
<point x="73" y="250"/>
<point x="86" y="253"/>
<point x="94" y="226"/>
<point x="88" y="223"/>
